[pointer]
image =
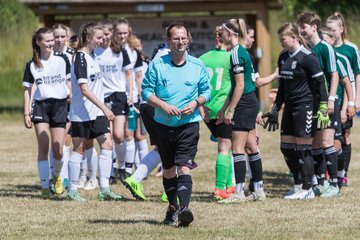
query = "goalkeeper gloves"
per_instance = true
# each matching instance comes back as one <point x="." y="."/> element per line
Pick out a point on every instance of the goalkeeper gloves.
<point x="323" y="119"/>
<point x="272" y="122"/>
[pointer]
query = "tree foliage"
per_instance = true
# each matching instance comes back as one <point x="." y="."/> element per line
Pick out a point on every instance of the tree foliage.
<point x="323" y="8"/>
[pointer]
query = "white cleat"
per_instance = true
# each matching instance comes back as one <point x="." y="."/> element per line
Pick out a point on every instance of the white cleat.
<point x="302" y="194"/>
<point x="91" y="184"/>
<point x="293" y="190"/>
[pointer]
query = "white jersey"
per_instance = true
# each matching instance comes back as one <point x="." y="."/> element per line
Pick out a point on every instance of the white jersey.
<point x="113" y="66"/>
<point x="85" y="70"/>
<point x="136" y="65"/>
<point x="50" y="79"/>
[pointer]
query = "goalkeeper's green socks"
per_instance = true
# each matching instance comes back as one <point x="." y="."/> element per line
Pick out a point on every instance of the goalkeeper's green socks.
<point x="223" y="165"/>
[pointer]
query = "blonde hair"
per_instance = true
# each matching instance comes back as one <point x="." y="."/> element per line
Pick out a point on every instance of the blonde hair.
<point x="237" y="27"/>
<point x="340" y="19"/>
<point x="87" y="31"/>
<point x="115" y="45"/>
<point x="291" y="29"/>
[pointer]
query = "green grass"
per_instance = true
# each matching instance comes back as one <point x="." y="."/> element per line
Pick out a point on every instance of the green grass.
<point x="24" y="215"/>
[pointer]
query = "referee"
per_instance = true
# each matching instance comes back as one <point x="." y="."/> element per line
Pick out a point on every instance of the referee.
<point x="176" y="85"/>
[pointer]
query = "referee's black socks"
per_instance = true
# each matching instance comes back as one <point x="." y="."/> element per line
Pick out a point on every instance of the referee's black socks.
<point x="170" y="186"/>
<point x="184" y="189"/>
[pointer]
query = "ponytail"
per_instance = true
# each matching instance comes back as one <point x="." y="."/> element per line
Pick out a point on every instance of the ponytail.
<point x="38" y="36"/>
<point x="337" y="16"/>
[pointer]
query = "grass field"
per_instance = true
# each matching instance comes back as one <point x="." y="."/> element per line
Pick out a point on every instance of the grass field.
<point x="24" y="215"/>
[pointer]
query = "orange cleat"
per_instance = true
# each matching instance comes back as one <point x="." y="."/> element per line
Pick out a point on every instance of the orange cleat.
<point x="230" y="190"/>
<point x="221" y="194"/>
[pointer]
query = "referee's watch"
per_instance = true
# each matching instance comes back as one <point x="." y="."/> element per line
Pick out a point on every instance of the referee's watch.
<point x="197" y="102"/>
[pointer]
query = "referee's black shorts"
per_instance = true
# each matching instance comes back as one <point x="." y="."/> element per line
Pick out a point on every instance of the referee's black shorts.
<point x="147" y="113"/>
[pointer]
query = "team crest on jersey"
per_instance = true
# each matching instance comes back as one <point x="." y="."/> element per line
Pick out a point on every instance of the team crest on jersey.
<point x="293" y="65"/>
<point x="39" y="81"/>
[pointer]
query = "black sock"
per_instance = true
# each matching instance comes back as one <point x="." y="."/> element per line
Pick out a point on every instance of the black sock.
<point x="292" y="161"/>
<point x="184" y="189"/>
<point x="170" y="186"/>
<point x="341" y="168"/>
<point x="256" y="167"/>
<point x="347" y="156"/>
<point x="332" y="164"/>
<point x="307" y="164"/>
<point x="239" y="167"/>
<point x="319" y="164"/>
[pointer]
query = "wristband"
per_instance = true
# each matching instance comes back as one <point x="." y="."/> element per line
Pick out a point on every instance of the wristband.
<point x="197" y="102"/>
<point x="351" y="104"/>
<point x="331" y="98"/>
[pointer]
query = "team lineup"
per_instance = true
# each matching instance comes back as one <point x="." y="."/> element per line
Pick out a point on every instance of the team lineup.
<point x="100" y="85"/>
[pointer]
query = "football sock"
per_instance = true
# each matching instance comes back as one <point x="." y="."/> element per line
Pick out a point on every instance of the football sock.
<point x="142" y="147"/>
<point x="307" y="164"/>
<point x="130" y="155"/>
<point x="222" y="169"/>
<point x="347" y="156"/>
<point x="170" y="186"/>
<point x="83" y="167"/>
<point x="256" y="167"/>
<point x="58" y="164"/>
<point x="120" y="150"/>
<point x="258" y="185"/>
<point x="331" y="157"/>
<point x="74" y="169"/>
<point x="239" y="167"/>
<point x="184" y="189"/>
<point x="149" y="163"/>
<point x="92" y="159"/>
<point x="292" y="161"/>
<point x="43" y="170"/>
<point x="319" y="165"/>
<point x="65" y="168"/>
<point x="105" y="165"/>
<point x="239" y="187"/>
<point x="136" y="157"/>
<point x="230" y="182"/>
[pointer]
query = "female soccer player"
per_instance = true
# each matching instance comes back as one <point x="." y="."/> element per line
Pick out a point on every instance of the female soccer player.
<point x="301" y="89"/>
<point x="88" y="114"/>
<point x="50" y="72"/>
<point x="337" y="24"/>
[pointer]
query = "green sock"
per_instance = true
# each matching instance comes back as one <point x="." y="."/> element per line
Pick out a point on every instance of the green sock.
<point x="230" y="176"/>
<point x="223" y="163"/>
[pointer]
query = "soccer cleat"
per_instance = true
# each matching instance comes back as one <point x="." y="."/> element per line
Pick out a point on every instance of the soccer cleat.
<point x="65" y="183"/>
<point x="258" y="195"/>
<point x="345" y="181"/>
<point x="234" y="198"/>
<point x="294" y="189"/>
<point x="185" y="217"/>
<point x="74" y="195"/>
<point x="230" y="190"/>
<point x="164" y="197"/>
<point x="319" y="189"/>
<point x="135" y="188"/>
<point x="51" y="186"/>
<point x="81" y="183"/>
<point x="251" y="185"/>
<point x="171" y="216"/>
<point x="91" y="184"/>
<point x="108" y="195"/>
<point x="45" y="193"/>
<point x="331" y="191"/>
<point x="301" y="194"/>
<point x="221" y="194"/>
<point x="58" y="185"/>
<point x="123" y="175"/>
<point x="112" y="180"/>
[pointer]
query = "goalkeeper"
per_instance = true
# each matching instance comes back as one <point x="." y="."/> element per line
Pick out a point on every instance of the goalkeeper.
<point x="302" y="90"/>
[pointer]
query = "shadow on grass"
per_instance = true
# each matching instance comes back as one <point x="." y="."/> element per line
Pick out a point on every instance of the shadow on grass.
<point x="11" y="109"/>
<point x="120" y="221"/>
<point x="25" y="191"/>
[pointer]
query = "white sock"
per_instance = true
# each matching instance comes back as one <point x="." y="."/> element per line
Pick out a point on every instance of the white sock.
<point x="74" y="169"/>
<point x="239" y="188"/>
<point x="120" y="150"/>
<point x="105" y="164"/>
<point x="83" y="167"/>
<point x="57" y="167"/>
<point x="149" y="163"/>
<point x="130" y="155"/>
<point x="341" y="173"/>
<point x="136" y="157"/>
<point x="142" y="147"/>
<point x="65" y="169"/>
<point x="92" y="159"/>
<point x="258" y="185"/>
<point x="43" y="170"/>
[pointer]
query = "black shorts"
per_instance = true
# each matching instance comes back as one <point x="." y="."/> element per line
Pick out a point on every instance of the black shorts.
<point x="178" y="145"/>
<point x="51" y="111"/>
<point x="222" y="130"/>
<point x="244" y="118"/>
<point x="147" y="113"/>
<point x="298" y="121"/>
<point x="90" y="129"/>
<point x="117" y="102"/>
<point x="347" y="125"/>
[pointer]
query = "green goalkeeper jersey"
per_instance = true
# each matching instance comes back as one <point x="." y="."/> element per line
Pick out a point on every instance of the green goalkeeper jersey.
<point x="218" y="64"/>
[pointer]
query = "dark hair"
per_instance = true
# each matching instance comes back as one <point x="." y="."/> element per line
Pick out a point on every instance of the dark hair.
<point x="38" y="36"/>
<point x="87" y="30"/>
<point x="309" y="18"/>
<point x="338" y="17"/>
<point x="237" y="27"/>
<point x="177" y="24"/>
